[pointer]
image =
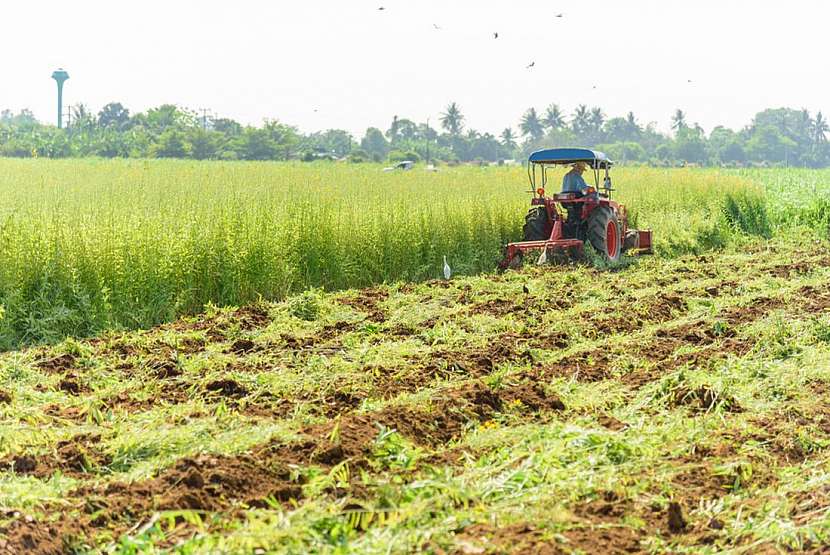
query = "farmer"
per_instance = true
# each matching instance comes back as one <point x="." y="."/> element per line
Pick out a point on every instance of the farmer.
<point x="573" y="182"/>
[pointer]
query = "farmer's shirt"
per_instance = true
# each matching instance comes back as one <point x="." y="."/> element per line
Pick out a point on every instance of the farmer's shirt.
<point x="573" y="183"/>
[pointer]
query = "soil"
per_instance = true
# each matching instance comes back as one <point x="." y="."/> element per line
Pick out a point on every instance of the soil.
<point x="704" y="399"/>
<point x="26" y="535"/>
<point x="226" y="388"/>
<point x="61" y="363"/>
<point x="77" y="457"/>
<point x="251" y="318"/>
<point x="241" y="347"/>
<point x="368" y="301"/>
<point x="5" y="397"/>
<point x="71" y="386"/>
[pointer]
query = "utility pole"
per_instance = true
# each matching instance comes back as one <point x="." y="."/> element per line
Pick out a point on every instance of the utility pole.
<point x="60" y="76"/>
<point x="204" y="117"/>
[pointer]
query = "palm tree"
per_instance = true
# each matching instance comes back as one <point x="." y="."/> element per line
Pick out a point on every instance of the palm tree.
<point x="580" y="121"/>
<point x="597" y="119"/>
<point x="633" y="128"/>
<point x="820" y="129"/>
<point x="678" y="120"/>
<point x="508" y="139"/>
<point x="531" y="125"/>
<point x="452" y="120"/>
<point x="554" y="118"/>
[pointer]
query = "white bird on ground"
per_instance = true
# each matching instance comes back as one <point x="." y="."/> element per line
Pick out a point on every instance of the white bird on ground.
<point x="447" y="270"/>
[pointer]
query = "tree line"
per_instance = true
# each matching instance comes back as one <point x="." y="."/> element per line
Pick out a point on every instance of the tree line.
<point x="781" y="136"/>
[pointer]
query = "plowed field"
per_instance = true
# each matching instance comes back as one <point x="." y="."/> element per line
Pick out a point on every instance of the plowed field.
<point x="671" y="406"/>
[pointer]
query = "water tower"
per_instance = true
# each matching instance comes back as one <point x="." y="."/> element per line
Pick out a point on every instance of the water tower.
<point x="60" y="76"/>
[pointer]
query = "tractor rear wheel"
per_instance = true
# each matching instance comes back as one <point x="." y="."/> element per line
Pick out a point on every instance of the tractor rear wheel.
<point x="537" y="224"/>
<point x="605" y="233"/>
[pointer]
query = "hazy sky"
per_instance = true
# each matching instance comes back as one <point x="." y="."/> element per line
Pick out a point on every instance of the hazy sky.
<point x="358" y="66"/>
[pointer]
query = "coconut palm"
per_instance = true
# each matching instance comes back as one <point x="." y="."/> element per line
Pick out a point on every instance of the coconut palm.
<point x="820" y="129"/>
<point x="508" y="139"/>
<point x="452" y="120"/>
<point x="596" y="119"/>
<point x="678" y="120"/>
<point x="581" y="119"/>
<point x="554" y="118"/>
<point x="531" y="125"/>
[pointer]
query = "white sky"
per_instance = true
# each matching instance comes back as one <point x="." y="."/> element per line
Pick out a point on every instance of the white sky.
<point x="358" y="66"/>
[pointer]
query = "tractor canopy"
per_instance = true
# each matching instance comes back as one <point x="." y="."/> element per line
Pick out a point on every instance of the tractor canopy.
<point x="564" y="156"/>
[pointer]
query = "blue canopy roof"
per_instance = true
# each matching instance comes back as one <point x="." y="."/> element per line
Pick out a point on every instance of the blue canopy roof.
<point x="565" y="156"/>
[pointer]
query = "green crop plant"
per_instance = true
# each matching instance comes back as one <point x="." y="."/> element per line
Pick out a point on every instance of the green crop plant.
<point x="89" y="245"/>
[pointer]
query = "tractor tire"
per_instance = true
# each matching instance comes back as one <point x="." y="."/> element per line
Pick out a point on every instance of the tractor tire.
<point x="605" y="234"/>
<point x="537" y="224"/>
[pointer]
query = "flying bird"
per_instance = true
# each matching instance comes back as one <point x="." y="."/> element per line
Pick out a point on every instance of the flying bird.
<point x="380" y="9"/>
<point x="495" y="35"/>
<point x="689" y="81"/>
<point x="532" y="64"/>
<point x="560" y="15"/>
<point x="447" y="270"/>
<point x="436" y="26"/>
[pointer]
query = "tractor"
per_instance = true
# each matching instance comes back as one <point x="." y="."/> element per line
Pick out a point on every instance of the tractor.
<point x="562" y="222"/>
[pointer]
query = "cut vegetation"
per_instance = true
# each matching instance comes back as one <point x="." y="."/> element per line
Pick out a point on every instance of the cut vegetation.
<point x="674" y="405"/>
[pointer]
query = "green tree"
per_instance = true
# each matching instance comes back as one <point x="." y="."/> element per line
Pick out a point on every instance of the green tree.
<point x="690" y="145"/>
<point x="227" y="127"/>
<point x="508" y="140"/>
<point x="375" y="144"/>
<point x="678" y="120"/>
<point x="171" y="144"/>
<point x="554" y="118"/>
<point x="203" y="144"/>
<point x="256" y="144"/>
<point x="114" y="116"/>
<point x="767" y="143"/>
<point x="531" y="126"/>
<point x="452" y="120"/>
<point x="581" y="121"/>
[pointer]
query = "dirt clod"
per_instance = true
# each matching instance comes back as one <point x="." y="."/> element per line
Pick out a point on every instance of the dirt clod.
<point x="242" y="346"/>
<point x="676" y="522"/>
<point x="70" y="386"/>
<point x="24" y="464"/>
<point x="227" y="388"/>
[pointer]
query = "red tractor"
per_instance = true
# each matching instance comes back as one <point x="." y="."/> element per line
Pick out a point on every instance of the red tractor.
<point x="591" y="214"/>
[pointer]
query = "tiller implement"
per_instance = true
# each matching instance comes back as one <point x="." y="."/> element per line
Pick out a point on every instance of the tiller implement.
<point x="562" y="222"/>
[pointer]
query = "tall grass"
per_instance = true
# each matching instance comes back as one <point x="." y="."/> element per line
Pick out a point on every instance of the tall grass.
<point x="90" y="245"/>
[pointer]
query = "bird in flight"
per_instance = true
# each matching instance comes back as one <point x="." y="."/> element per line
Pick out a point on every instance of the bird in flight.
<point x="689" y="81"/>
<point x="560" y="15"/>
<point x="436" y="26"/>
<point x="380" y="9"/>
<point x="531" y="65"/>
<point x="495" y="35"/>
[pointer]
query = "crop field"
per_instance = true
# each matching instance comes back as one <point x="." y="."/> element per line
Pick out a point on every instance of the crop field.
<point x="678" y="403"/>
<point x="93" y="245"/>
